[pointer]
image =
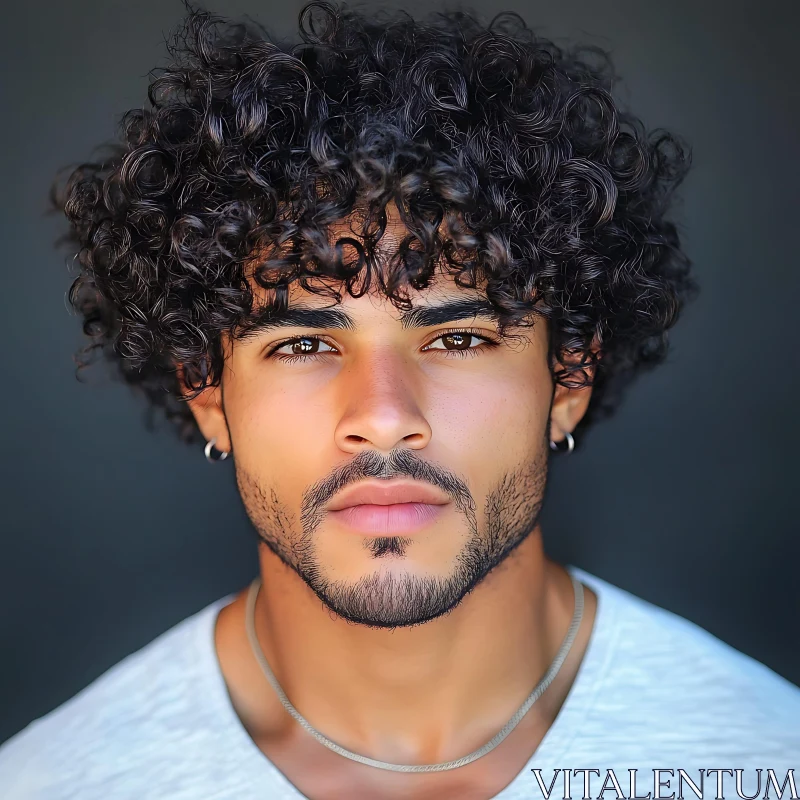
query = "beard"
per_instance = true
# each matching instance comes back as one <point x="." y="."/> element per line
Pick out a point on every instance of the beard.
<point x="385" y="599"/>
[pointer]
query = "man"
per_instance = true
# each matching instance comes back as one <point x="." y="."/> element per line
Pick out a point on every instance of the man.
<point x="388" y="273"/>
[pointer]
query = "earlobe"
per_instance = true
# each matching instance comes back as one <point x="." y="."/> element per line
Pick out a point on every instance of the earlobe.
<point x="564" y="416"/>
<point x="567" y="409"/>
<point x="570" y="444"/>
<point x="209" y="450"/>
<point x="208" y="412"/>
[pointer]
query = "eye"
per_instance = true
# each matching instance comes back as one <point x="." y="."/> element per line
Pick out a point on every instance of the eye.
<point x="460" y="342"/>
<point x="300" y="347"/>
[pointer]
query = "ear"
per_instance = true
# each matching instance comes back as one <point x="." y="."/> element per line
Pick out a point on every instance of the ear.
<point x="208" y="413"/>
<point x="569" y="405"/>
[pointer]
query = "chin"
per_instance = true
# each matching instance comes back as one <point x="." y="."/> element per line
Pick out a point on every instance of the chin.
<point x="398" y="593"/>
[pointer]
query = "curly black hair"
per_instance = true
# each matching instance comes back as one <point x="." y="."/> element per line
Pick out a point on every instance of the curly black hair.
<point x="506" y="156"/>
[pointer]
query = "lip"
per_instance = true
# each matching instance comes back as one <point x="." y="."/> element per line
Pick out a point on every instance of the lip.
<point x="388" y="508"/>
<point x="385" y="493"/>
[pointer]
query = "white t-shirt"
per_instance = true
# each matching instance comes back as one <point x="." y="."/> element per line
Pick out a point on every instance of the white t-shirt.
<point x="653" y="692"/>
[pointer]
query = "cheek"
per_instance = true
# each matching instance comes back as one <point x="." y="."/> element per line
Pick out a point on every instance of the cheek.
<point x="277" y="425"/>
<point x="499" y="416"/>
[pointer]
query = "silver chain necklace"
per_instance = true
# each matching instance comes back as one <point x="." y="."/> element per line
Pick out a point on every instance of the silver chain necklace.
<point x="459" y="762"/>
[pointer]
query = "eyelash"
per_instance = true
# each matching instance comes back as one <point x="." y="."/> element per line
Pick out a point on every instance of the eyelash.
<point x="470" y="351"/>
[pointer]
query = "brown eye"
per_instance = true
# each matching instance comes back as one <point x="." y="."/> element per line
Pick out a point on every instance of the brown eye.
<point x="303" y="346"/>
<point x="456" y="341"/>
<point x="461" y="343"/>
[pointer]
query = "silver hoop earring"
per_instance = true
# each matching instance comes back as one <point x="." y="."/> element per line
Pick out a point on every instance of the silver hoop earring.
<point x="222" y="453"/>
<point x="570" y="444"/>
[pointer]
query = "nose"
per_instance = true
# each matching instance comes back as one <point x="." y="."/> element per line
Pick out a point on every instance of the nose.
<point x="380" y="398"/>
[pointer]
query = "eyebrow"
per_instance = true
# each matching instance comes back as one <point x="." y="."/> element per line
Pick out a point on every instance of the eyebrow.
<point x="420" y="317"/>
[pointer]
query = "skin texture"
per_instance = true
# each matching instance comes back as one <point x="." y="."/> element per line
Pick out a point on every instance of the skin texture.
<point x="415" y="649"/>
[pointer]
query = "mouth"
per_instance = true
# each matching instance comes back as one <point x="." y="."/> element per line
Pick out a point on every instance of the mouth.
<point x="396" y="519"/>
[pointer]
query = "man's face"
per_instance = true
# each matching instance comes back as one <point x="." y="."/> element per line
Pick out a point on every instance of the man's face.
<point x="430" y="404"/>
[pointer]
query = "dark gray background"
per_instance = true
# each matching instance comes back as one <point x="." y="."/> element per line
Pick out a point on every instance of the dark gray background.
<point x="112" y="534"/>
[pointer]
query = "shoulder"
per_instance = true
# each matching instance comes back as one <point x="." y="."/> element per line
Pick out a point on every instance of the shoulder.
<point x="145" y="703"/>
<point x="665" y="671"/>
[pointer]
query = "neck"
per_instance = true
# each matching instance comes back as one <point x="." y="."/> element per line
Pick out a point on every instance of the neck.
<point x="423" y="694"/>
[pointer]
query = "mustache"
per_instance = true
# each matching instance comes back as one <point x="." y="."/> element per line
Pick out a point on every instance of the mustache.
<point x="400" y="462"/>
